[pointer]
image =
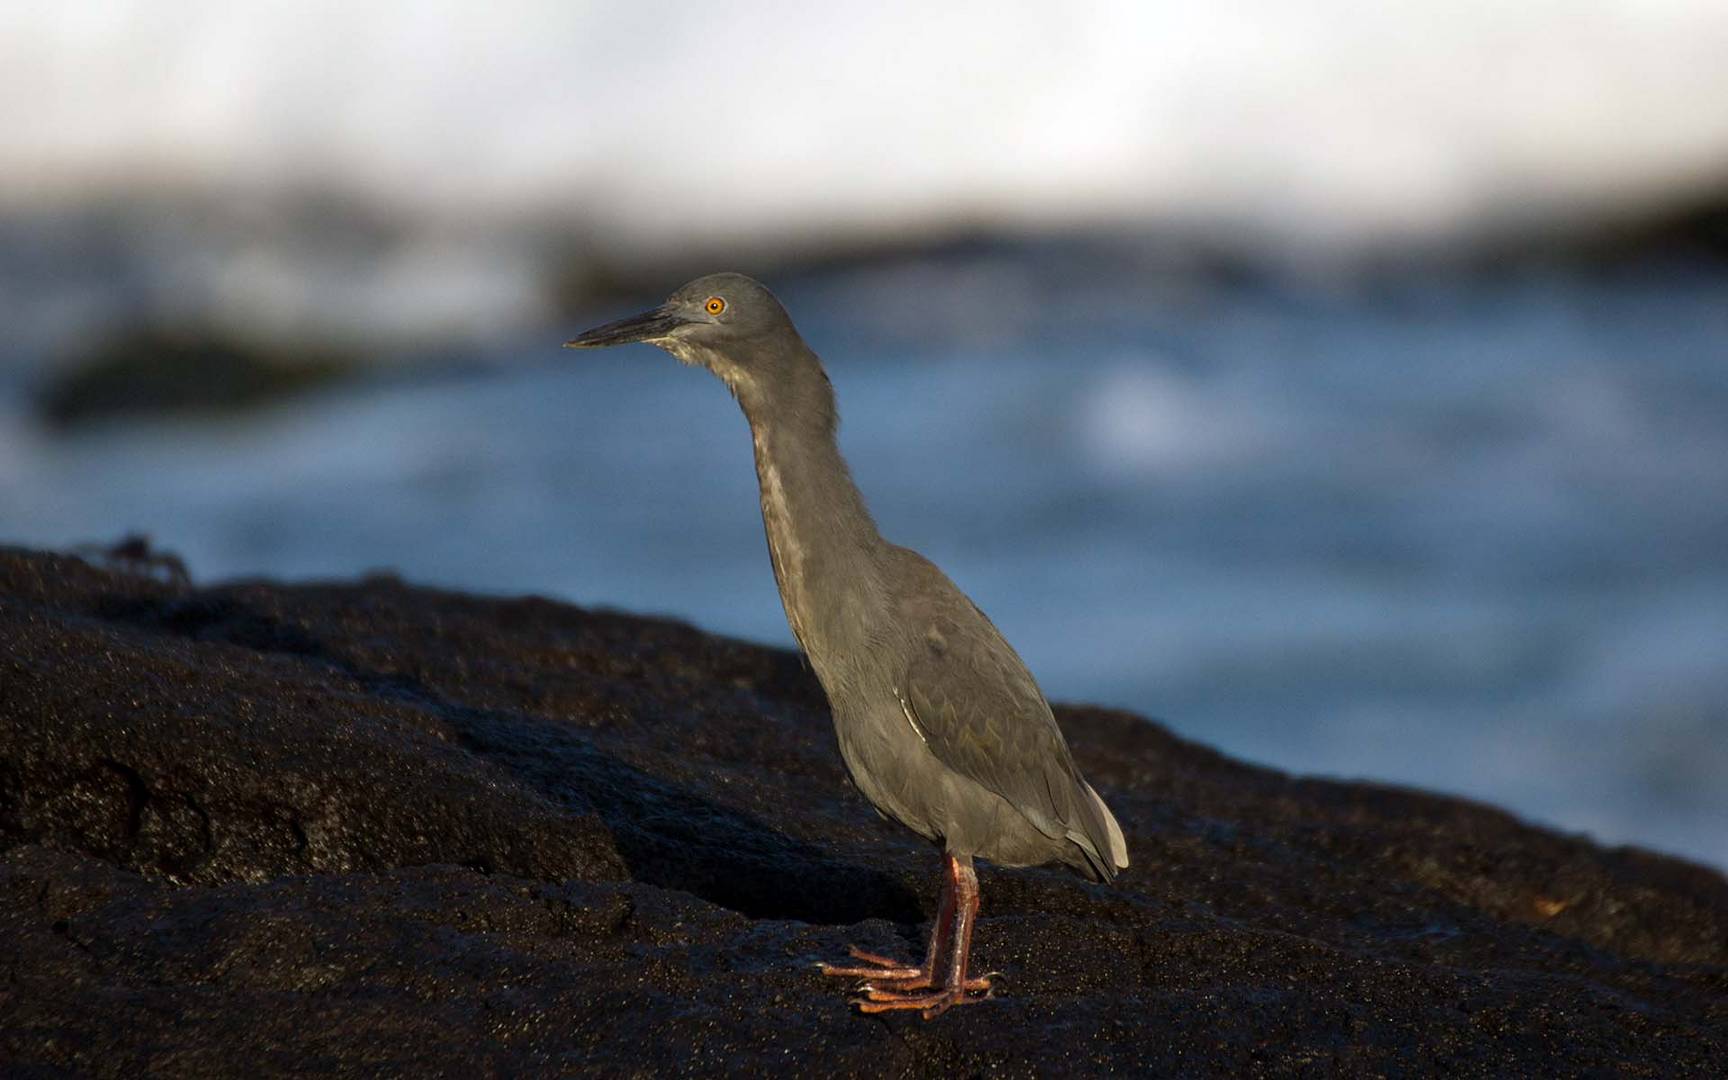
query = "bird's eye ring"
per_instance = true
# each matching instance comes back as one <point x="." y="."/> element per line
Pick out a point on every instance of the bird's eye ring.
<point x="715" y="305"/>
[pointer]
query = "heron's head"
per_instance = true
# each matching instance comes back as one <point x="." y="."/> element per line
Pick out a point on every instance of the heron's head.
<point x="724" y="322"/>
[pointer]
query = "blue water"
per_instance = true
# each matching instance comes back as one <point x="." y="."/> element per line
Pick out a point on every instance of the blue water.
<point x="1469" y="536"/>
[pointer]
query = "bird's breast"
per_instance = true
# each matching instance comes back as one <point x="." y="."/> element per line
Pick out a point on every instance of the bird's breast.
<point x="785" y="551"/>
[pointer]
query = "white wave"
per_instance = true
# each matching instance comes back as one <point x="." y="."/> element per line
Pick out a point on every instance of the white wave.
<point x="1318" y="117"/>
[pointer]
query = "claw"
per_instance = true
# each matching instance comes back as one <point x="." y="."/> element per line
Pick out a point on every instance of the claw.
<point x="889" y="985"/>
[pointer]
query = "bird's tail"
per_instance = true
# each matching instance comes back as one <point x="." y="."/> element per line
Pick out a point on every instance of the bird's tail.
<point x="1104" y="849"/>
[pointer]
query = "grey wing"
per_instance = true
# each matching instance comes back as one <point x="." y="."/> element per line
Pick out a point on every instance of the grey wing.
<point x="983" y="716"/>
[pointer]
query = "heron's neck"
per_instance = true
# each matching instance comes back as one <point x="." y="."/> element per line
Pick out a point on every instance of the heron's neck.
<point x="824" y="545"/>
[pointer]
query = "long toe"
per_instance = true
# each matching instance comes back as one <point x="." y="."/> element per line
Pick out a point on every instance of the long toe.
<point x="930" y="1004"/>
<point x="877" y="974"/>
<point x="881" y="969"/>
<point x="872" y="992"/>
<point x="874" y="958"/>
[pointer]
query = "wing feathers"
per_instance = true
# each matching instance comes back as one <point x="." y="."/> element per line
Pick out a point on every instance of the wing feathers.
<point x="970" y="698"/>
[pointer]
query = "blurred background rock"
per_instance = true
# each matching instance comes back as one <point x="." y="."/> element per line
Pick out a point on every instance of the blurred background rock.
<point x="1346" y="383"/>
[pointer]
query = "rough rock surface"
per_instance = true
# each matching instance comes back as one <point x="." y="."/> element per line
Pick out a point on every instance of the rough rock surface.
<point x="369" y="828"/>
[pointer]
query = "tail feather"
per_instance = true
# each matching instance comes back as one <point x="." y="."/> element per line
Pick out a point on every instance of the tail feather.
<point x="1118" y="845"/>
<point x="1101" y="844"/>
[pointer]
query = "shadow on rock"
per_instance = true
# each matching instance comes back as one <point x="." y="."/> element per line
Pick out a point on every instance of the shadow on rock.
<point x="667" y="835"/>
<point x="375" y="829"/>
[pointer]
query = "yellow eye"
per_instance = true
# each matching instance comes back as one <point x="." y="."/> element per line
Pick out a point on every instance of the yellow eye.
<point x="715" y="305"/>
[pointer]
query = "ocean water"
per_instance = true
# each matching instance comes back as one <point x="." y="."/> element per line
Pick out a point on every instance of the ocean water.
<point x="1469" y="535"/>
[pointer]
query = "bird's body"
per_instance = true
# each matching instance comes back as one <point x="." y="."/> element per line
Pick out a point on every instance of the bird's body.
<point x="940" y="724"/>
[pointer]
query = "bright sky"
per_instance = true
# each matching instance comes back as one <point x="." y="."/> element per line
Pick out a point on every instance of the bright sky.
<point x="1323" y="117"/>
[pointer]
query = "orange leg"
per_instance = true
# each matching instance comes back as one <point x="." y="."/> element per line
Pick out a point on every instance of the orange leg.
<point x="887" y="970"/>
<point x="951" y="935"/>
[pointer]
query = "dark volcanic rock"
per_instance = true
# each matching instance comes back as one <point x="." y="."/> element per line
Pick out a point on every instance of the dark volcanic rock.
<point x="156" y="370"/>
<point x="370" y="829"/>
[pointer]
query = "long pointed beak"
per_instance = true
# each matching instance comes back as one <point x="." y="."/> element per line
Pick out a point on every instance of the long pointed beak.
<point x="644" y="327"/>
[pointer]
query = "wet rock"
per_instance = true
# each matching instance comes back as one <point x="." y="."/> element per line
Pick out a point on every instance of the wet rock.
<point x="373" y="828"/>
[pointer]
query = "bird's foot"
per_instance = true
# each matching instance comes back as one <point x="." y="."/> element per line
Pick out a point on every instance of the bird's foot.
<point x="902" y="976"/>
<point x="881" y="969"/>
<point x="930" y="1004"/>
